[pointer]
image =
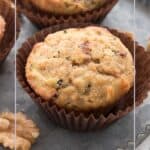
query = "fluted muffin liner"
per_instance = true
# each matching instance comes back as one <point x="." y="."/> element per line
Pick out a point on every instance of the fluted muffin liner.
<point x="42" y="19"/>
<point x="8" y="13"/>
<point x="88" y="121"/>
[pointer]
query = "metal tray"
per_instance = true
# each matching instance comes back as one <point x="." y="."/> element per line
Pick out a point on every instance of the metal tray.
<point x="119" y="135"/>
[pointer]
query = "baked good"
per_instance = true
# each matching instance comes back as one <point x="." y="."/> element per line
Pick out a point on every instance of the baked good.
<point x="81" y="69"/>
<point x="66" y="7"/>
<point x="8" y="22"/>
<point x="2" y="27"/>
<point x="44" y="13"/>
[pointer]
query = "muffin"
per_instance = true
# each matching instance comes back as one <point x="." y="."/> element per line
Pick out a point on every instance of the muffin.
<point x="66" y="7"/>
<point x="44" y="13"/>
<point x="7" y="28"/>
<point x="84" y="119"/>
<point x="81" y="69"/>
<point x="2" y="27"/>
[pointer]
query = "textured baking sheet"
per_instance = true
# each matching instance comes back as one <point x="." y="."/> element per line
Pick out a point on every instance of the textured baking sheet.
<point x="7" y="89"/>
<point x="117" y="136"/>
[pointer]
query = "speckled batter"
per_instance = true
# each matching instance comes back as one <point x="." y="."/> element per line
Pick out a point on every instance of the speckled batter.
<point x="66" y="6"/>
<point x="80" y="69"/>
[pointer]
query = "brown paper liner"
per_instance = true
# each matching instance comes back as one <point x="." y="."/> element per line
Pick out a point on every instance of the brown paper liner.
<point x="8" y="13"/>
<point x="91" y="121"/>
<point x="42" y="19"/>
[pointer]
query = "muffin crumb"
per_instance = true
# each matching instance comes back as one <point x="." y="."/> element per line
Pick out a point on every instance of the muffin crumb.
<point x="148" y="46"/>
<point x="130" y="34"/>
<point x="2" y="27"/>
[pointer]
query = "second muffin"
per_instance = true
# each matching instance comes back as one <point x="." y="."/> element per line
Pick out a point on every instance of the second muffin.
<point x="44" y="13"/>
<point x="81" y="69"/>
<point x="66" y="7"/>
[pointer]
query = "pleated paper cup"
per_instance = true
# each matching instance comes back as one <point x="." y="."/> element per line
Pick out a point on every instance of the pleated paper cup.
<point x="8" y="13"/>
<point x="88" y="121"/>
<point x="42" y="19"/>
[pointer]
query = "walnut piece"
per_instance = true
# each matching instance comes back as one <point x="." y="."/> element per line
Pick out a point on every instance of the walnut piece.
<point x="26" y="131"/>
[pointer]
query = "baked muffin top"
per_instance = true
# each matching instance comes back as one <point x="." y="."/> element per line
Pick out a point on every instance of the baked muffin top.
<point x="66" y="7"/>
<point x="2" y="27"/>
<point x="80" y="68"/>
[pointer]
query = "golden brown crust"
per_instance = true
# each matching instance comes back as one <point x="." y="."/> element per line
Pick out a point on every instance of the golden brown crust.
<point x="2" y="27"/>
<point x="26" y="131"/>
<point x="81" y="69"/>
<point x="66" y="7"/>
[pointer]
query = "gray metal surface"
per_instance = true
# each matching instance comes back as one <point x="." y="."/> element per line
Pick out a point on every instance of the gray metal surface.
<point x="7" y="77"/>
<point x="53" y="137"/>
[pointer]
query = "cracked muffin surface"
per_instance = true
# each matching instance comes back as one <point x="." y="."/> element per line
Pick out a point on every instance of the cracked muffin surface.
<point x="2" y="27"/>
<point x="66" y="7"/>
<point x="80" y="69"/>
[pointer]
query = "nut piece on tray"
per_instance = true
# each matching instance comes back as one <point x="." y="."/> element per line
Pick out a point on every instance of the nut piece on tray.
<point x="26" y="131"/>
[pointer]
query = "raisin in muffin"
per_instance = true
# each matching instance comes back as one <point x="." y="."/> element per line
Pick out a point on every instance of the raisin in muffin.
<point x="80" y="69"/>
<point x="2" y="27"/>
<point x="66" y="7"/>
